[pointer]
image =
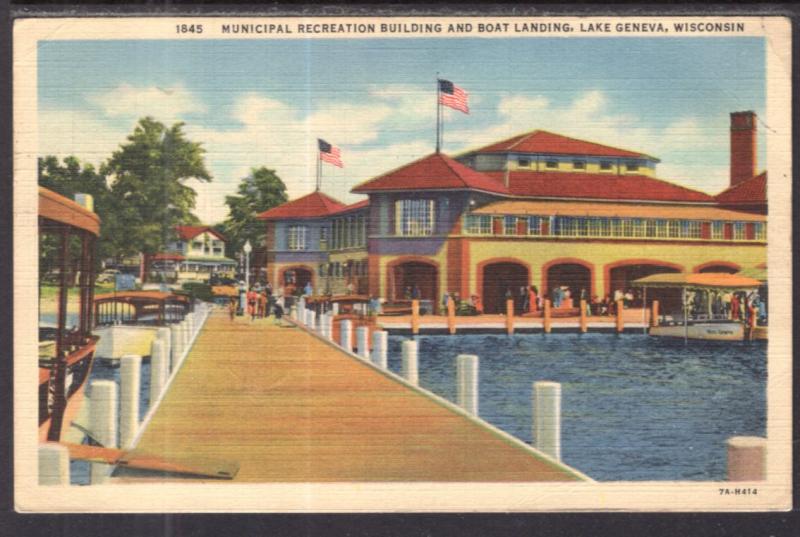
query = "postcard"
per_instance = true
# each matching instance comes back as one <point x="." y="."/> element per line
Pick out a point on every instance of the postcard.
<point x="383" y="264"/>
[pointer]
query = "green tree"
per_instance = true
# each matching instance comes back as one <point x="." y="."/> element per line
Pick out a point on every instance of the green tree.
<point x="258" y="192"/>
<point x="148" y="194"/>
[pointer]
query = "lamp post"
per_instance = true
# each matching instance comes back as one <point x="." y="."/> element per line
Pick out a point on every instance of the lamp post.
<point x="247" y="249"/>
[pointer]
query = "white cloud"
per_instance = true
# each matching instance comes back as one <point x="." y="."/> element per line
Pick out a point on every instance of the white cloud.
<point x="164" y="104"/>
<point x="68" y="132"/>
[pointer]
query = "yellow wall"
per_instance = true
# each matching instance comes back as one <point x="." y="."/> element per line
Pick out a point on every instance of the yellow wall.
<point x="538" y="253"/>
<point x="591" y="167"/>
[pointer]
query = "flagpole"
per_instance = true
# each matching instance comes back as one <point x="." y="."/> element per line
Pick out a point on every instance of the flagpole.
<point x="438" y="113"/>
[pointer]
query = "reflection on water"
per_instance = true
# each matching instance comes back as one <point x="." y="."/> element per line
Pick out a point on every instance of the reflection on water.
<point x="633" y="407"/>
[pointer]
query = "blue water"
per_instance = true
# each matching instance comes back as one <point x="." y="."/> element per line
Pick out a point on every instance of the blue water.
<point x="633" y="407"/>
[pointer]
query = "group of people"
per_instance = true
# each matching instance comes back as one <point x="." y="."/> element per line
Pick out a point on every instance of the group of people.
<point x="737" y="306"/>
<point x="258" y="302"/>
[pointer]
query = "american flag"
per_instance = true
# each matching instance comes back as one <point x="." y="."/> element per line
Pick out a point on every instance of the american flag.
<point x="329" y="153"/>
<point x="453" y="96"/>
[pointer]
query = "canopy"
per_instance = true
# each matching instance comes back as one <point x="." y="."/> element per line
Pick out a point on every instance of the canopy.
<point x="756" y="273"/>
<point x="704" y="280"/>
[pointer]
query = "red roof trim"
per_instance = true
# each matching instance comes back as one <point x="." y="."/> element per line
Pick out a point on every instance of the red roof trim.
<point x="187" y="233"/>
<point x="749" y="192"/>
<point x="313" y="205"/>
<point x="354" y="207"/>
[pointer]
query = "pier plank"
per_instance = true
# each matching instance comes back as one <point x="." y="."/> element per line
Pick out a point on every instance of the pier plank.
<point x="288" y="407"/>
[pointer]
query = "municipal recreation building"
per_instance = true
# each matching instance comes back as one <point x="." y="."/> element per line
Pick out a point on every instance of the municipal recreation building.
<point x="536" y="209"/>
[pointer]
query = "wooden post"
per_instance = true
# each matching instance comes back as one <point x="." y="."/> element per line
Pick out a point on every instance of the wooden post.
<point x="130" y="375"/>
<point x="510" y="316"/>
<point x="620" y="322"/>
<point x="175" y="346"/>
<point x="380" y="346"/>
<point x="547" y="418"/>
<point x="410" y="372"/>
<point x="583" y="317"/>
<point x="546" y="322"/>
<point x="451" y="315"/>
<point x="103" y="421"/>
<point x="53" y="464"/>
<point x="747" y="458"/>
<point x="158" y="370"/>
<point x="165" y="335"/>
<point x="467" y="375"/>
<point x="654" y="314"/>
<point x="362" y="341"/>
<point x="415" y="317"/>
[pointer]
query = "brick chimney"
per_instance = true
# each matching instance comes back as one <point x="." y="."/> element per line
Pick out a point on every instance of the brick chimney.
<point x="743" y="146"/>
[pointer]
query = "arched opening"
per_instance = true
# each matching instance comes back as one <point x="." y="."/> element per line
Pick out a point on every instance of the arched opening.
<point x="726" y="268"/>
<point x="416" y="278"/>
<point x="620" y="278"/>
<point x="297" y="277"/>
<point x="500" y="279"/>
<point x="568" y="276"/>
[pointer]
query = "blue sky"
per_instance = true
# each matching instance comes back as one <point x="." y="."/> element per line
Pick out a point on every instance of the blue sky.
<point x="264" y="102"/>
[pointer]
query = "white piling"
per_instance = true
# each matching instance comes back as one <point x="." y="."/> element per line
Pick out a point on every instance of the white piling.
<point x="547" y="417"/>
<point x="158" y="360"/>
<point x="362" y="340"/>
<point x="410" y="372"/>
<point x="312" y="319"/>
<point x="380" y="348"/>
<point x="165" y="335"/>
<point x="53" y="464"/>
<point x="346" y="335"/>
<point x="335" y="308"/>
<point x="467" y="372"/>
<point x="323" y="325"/>
<point x="130" y="381"/>
<point x="329" y="326"/>
<point x="747" y="458"/>
<point x="175" y="346"/>
<point x="103" y="422"/>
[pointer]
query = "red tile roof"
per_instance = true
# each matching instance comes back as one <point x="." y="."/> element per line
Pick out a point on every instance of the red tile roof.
<point x="354" y="206"/>
<point x="314" y="205"/>
<point x="597" y="186"/>
<point x="751" y="191"/>
<point x="539" y="141"/>
<point x="187" y="233"/>
<point x="434" y="172"/>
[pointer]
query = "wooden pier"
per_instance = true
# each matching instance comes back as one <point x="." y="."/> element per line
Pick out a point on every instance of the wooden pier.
<point x="287" y="406"/>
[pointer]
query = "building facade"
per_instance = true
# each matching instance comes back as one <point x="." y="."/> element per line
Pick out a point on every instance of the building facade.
<point x="198" y="252"/>
<point x="539" y="209"/>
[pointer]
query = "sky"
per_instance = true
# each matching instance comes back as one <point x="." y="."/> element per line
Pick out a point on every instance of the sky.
<point x="265" y="102"/>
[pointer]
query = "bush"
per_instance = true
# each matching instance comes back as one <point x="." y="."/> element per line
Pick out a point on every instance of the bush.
<point x="199" y="291"/>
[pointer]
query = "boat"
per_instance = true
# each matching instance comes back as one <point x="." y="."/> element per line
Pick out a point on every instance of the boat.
<point x="67" y="236"/>
<point x="690" y="311"/>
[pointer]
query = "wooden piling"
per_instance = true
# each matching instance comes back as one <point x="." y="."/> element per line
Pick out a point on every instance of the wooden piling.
<point x="158" y="369"/>
<point x="467" y="373"/>
<point x="451" y="315"/>
<point x="654" y="314"/>
<point x="103" y="422"/>
<point x="584" y="324"/>
<point x="747" y="458"/>
<point x="410" y="371"/>
<point x="546" y="318"/>
<point x="620" y="322"/>
<point x="380" y="347"/>
<point x="415" y="317"/>
<point x="510" y="316"/>
<point x="547" y="417"/>
<point x="362" y="342"/>
<point x="130" y="377"/>
<point x="346" y="334"/>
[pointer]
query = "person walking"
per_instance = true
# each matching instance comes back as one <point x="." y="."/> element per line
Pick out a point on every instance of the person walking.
<point x="533" y="299"/>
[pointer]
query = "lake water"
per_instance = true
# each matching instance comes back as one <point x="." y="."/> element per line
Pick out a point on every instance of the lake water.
<point x="633" y="407"/>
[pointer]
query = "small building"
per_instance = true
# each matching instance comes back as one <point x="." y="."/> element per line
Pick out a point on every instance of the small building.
<point x="198" y="252"/>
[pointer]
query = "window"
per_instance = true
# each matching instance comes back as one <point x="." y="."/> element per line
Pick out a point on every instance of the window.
<point x="717" y="229"/>
<point x="322" y="270"/>
<point x="510" y="225"/>
<point x="606" y="165"/>
<point x="632" y="166"/>
<point x="479" y="224"/>
<point x="217" y="250"/>
<point x="760" y="231"/>
<point x="297" y="237"/>
<point x="551" y="164"/>
<point x="566" y="226"/>
<point x="738" y="231"/>
<point x="523" y="162"/>
<point x="691" y="229"/>
<point x="579" y="164"/>
<point x="415" y="217"/>
<point x="674" y="229"/>
<point x="650" y="228"/>
<point x="661" y="229"/>
<point x="627" y="227"/>
<point x="534" y="225"/>
<point x="197" y="245"/>
<point x="637" y="227"/>
<point x="616" y="227"/>
<point x="323" y="239"/>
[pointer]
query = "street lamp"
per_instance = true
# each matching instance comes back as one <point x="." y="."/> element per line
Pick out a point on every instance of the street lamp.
<point x="247" y="249"/>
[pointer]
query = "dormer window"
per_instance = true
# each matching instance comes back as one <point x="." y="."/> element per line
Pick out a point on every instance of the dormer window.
<point x="606" y="165"/>
<point x="632" y="166"/>
<point x="579" y="164"/>
<point x="552" y="164"/>
<point x="523" y="162"/>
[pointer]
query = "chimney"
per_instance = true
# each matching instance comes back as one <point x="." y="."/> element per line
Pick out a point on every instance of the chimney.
<point x="743" y="146"/>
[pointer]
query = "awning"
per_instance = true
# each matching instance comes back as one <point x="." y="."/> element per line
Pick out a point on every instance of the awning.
<point x="622" y="210"/>
<point x="704" y="280"/>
